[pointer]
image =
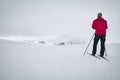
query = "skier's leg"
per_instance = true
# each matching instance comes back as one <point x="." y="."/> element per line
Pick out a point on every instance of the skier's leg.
<point x="102" y="39"/>
<point x="96" y="39"/>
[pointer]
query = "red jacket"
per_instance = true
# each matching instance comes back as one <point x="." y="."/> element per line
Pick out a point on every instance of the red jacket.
<point x="100" y="26"/>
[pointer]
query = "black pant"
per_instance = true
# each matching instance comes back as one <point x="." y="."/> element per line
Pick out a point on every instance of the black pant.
<point x="96" y="39"/>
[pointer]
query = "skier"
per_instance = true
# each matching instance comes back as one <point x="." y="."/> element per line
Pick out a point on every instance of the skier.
<point x="100" y="26"/>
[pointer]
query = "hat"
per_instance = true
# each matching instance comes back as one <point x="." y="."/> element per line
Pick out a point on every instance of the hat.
<point x="99" y="15"/>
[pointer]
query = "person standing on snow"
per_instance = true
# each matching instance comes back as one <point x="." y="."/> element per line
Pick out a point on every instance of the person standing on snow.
<point x="100" y="26"/>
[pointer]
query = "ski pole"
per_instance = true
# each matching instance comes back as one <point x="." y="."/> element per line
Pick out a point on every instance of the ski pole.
<point x="88" y="45"/>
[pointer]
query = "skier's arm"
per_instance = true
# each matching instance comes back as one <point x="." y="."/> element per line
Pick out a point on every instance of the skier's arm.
<point x="106" y="25"/>
<point x="94" y="25"/>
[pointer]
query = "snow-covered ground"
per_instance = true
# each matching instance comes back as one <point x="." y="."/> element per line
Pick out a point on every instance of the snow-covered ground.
<point x="21" y="61"/>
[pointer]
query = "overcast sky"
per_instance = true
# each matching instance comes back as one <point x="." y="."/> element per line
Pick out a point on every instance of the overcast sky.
<point x="57" y="17"/>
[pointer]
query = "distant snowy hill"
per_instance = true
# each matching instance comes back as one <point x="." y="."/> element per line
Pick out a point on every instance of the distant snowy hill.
<point x="64" y="40"/>
<point x="3" y="41"/>
<point x="67" y="40"/>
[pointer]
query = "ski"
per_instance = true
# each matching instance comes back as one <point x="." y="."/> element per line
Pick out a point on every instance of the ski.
<point x="103" y="58"/>
<point x="94" y="56"/>
<point x="99" y="57"/>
